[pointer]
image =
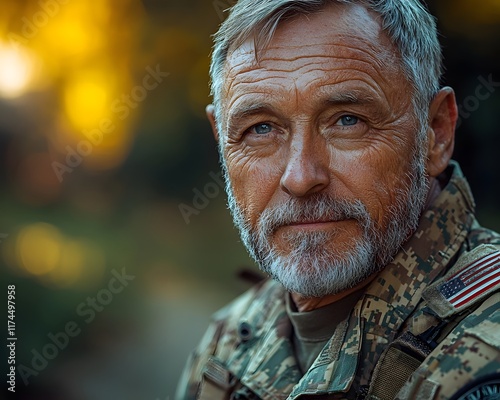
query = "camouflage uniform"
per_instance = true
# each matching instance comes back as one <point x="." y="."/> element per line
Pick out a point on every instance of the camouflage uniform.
<point x="428" y="326"/>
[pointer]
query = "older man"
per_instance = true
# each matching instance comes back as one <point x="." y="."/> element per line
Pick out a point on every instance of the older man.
<point x="336" y="140"/>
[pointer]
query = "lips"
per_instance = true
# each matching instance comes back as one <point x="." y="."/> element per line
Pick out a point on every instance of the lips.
<point x="313" y="223"/>
<point x="317" y="221"/>
<point x="318" y="213"/>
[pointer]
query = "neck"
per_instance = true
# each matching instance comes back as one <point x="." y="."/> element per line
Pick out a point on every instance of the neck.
<point x="434" y="191"/>
<point x="312" y="303"/>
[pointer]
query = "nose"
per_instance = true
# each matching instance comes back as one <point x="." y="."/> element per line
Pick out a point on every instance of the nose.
<point x="307" y="169"/>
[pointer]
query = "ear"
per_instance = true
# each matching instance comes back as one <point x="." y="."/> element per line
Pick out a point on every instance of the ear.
<point x="210" y="110"/>
<point x="443" y="116"/>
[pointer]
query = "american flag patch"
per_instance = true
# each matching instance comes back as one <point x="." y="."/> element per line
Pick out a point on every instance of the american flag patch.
<point x="473" y="281"/>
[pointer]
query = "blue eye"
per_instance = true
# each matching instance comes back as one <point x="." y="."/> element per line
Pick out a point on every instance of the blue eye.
<point x="348" y="120"/>
<point x="262" y="129"/>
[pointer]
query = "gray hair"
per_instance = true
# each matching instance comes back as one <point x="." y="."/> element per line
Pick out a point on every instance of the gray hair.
<point x="408" y="24"/>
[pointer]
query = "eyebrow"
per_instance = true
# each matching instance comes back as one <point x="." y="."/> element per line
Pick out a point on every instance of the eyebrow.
<point x="249" y="109"/>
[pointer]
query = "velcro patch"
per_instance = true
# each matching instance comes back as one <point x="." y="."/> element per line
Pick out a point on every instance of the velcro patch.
<point x="476" y="279"/>
<point x="475" y="275"/>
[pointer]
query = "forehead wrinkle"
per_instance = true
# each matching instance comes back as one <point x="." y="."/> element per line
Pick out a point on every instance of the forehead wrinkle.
<point x="373" y="46"/>
<point x="327" y="76"/>
<point x="373" y="51"/>
<point x="370" y="72"/>
<point x="336" y="74"/>
<point x="387" y="61"/>
<point x="319" y="81"/>
<point x="255" y="87"/>
<point x="350" y="96"/>
<point x="315" y="59"/>
<point x="356" y="65"/>
<point x="359" y="45"/>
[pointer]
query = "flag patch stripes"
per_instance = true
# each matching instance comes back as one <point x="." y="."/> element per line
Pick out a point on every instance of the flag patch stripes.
<point x="473" y="281"/>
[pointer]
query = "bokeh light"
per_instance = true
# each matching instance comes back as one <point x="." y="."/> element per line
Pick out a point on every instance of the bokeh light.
<point x="16" y="70"/>
<point x="81" y="264"/>
<point x="41" y="251"/>
<point x="87" y="98"/>
<point x="39" y="248"/>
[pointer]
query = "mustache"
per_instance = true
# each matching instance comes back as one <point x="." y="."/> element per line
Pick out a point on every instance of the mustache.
<point x="319" y="207"/>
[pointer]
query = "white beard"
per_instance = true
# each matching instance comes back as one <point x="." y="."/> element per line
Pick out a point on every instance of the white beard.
<point x="311" y="268"/>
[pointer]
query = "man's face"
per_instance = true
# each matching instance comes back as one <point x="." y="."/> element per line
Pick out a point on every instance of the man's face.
<point x="318" y="141"/>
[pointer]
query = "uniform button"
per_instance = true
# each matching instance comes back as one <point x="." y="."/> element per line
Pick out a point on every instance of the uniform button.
<point x="245" y="331"/>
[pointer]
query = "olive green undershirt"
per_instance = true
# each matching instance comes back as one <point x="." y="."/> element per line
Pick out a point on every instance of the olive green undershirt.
<point x="313" y="329"/>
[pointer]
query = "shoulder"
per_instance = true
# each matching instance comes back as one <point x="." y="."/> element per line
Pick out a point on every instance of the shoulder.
<point x="267" y="290"/>
<point x="468" y="355"/>
<point x="249" y="309"/>
<point x="225" y="332"/>
<point x="479" y="235"/>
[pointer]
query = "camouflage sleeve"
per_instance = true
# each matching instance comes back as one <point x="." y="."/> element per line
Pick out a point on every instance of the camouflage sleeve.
<point x="466" y="358"/>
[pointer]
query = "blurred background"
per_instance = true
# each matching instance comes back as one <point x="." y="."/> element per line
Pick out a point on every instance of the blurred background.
<point x="113" y="225"/>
